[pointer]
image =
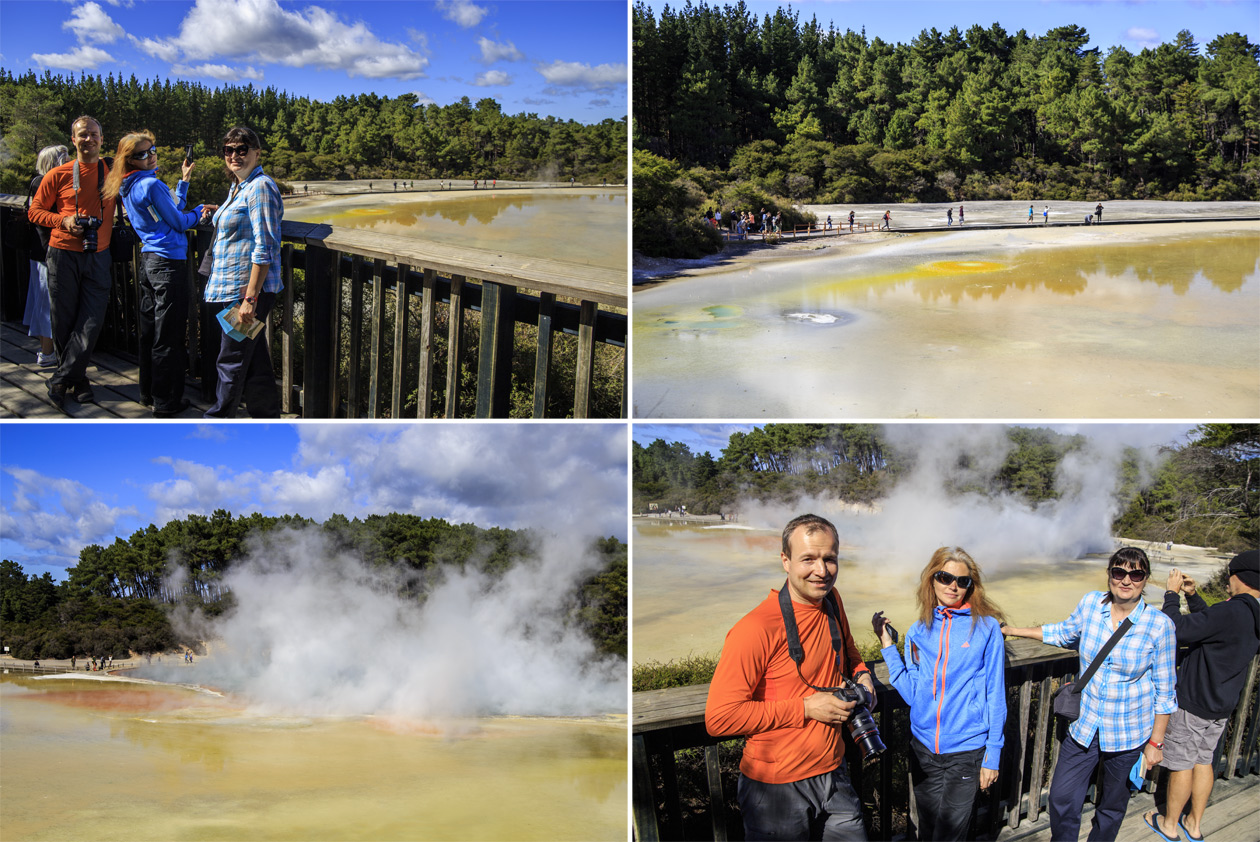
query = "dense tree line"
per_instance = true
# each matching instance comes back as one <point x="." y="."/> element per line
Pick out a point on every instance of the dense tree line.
<point x="812" y="114"/>
<point x="1205" y="493"/>
<point x="363" y="136"/>
<point x="118" y="597"/>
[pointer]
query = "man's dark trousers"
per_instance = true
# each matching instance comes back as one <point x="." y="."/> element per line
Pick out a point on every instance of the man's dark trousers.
<point x="78" y="287"/>
<point x="244" y="369"/>
<point x="164" y="297"/>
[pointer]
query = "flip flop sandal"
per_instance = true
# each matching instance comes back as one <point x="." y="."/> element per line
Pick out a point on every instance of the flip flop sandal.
<point x="1181" y="823"/>
<point x="1154" y="825"/>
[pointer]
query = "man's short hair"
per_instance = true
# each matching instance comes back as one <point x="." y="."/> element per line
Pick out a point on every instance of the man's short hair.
<point x="84" y="118"/>
<point x="811" y="524"/>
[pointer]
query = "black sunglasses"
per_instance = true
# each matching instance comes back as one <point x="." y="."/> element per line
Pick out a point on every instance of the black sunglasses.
<point x="944" y="578"/>
<point x="140" y="156"/>
<point x="235" y="150"/>
<point x="1135" y="576"/>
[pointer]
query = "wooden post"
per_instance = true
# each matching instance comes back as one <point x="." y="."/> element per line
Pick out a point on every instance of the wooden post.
<point x="1240" y="720"/>
<point x="428" y="323"/>
<point x="287" y="345"/>
<point x="645" y="826"/>
<point x="494" y="364"/>
<point x="717" y="802"/>
<point x="583" y="387"/>
<point x="454" y="346"/>
<point x="378" y="338"/>
<point x="402" y="299"/>
<point x="542" y="362"/>
<point x="354" y="368"/>
<point x="321" y="354"/>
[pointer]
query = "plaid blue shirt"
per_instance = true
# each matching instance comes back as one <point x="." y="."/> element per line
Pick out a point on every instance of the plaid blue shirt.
<point x="248" y="232"/>
<point x="1137" y="681"/>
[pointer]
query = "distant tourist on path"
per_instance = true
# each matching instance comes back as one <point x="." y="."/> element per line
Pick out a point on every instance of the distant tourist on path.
<point x="246" y="271"/>
<point x="961" y="215"/>
<point x="1089" y="219"/>
<point x="887" y="221"/>
<point x="1030" y="213"/>
<point x="38" y="314"/>
<point x="1098" y="213"/>
<point x="852" y="216"/>
<point x="1045" y="216"/>
<point x="949" y="216"/>
<point x="828" y="226"/>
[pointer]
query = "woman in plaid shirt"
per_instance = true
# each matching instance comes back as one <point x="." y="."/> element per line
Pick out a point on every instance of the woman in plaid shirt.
<point x="1126" y="705"/>
<point x="246" y="271"/>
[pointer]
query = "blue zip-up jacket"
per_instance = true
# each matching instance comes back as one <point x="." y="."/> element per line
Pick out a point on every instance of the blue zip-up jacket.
<point x="160" y="221"/>
<point x="957" y="688"/>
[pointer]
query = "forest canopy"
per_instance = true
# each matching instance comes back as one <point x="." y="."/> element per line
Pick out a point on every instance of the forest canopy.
<point x="808" y="113"/>
<point x="118" y="598"/>
<point x="363" y="136"/>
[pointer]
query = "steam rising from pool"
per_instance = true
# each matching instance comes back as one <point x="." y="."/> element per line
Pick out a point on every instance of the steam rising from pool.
<point x="318" y="632"/>
<point x="948" y="499"/>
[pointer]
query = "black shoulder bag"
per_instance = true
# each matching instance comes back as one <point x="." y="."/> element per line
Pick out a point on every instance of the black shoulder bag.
<point x="1067" y="702"/>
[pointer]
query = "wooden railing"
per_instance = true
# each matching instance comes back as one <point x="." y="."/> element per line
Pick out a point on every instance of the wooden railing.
<point x="669" y="721"/>
<point x="340" y="333"/>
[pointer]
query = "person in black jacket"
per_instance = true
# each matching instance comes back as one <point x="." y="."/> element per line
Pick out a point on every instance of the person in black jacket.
<point x="1223" y="639"/>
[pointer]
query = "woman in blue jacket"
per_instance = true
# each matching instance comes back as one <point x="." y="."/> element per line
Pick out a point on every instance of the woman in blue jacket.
<point x="953" y="680"/>
<point x="160" y="221"/>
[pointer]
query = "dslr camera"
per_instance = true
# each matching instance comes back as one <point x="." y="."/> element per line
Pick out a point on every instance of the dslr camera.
<point x="89" y="224"/>
<point x="862" y="725"/>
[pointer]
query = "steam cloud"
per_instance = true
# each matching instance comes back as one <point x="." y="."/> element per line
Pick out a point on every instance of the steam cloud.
<point x="1000" y="530"/>
<point x="320" y="633"/>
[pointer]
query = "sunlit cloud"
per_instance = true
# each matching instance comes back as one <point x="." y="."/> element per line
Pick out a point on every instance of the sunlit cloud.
<point x="89" y="22"/>
<point x="82" y="57"/>
<point x="462" y="12"/>
<point x="561" y="75"/>
<point x="492" y="51"/>
<point x="492" y="77"/>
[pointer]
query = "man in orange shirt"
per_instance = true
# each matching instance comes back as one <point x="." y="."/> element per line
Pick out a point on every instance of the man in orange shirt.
<point x="793" y="783"/>
<point x="81" y="219"/>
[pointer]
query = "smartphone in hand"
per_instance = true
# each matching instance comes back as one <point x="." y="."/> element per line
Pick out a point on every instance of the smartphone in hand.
<point x="188" y="154"/>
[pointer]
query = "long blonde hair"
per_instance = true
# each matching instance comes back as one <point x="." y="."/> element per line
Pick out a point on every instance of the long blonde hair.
<point x="122" y="161"/>
<point x="981" y="606"/>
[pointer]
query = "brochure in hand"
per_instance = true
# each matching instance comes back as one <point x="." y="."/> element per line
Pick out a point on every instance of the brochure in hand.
<point x="230" y="321"/>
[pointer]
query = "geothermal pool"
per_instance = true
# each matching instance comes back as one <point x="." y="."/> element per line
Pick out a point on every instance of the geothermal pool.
<point x="577" y="225"/>
<point x="114" y="760"/>
<point x="692" y="583"/>
<point x="1142" y="321"/>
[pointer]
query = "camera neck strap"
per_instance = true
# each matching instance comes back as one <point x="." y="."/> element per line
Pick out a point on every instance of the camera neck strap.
<point x="796" y="651"/>
<point x="100" y="184"/>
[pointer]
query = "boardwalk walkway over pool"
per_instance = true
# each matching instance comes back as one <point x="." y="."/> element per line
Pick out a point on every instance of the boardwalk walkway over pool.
<point x="376" y="326"/>
<point x="689" y="799"/>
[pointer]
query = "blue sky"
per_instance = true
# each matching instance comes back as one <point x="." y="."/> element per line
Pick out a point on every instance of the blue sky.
<point x="567" y="59"/>
<point x="712" y="438"/>
<point x="1133" y="24"/>
<point x="64" y="486"/>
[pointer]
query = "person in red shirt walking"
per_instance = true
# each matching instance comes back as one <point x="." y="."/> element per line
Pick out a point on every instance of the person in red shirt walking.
<point x="793" y="783"/>
<point x="71" y="203"/>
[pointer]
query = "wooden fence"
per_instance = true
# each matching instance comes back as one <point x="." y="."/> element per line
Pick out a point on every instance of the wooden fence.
<point x="340" y="333"/>
<point x="669" y="721"/>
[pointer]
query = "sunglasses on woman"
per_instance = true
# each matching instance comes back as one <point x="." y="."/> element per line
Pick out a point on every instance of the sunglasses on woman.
<point x="1135" y="576"/>
<point x="229" y="151"/>
<point x="947" y="579"/>
<point x="144" y="153"/>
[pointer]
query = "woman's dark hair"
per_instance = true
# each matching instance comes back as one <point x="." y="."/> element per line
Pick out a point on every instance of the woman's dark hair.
<point x="240" y="134"/>
<point x="1127" y="557"/>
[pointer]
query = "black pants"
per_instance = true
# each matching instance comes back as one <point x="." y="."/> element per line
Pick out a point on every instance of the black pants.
<point x="78" y="289"/>
<point x="1072" y="774"/>
<point x="945" y="787"/>
<point x="164" y="294"/>
<point x="244" y="369"/>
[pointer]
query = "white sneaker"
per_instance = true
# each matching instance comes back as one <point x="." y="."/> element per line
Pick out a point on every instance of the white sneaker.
<point x="45" y="360"/>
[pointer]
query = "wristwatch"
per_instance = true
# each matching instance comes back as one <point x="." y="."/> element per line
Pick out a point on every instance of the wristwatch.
<point x="1159" y="746"/>
<point x="252" y="299"/>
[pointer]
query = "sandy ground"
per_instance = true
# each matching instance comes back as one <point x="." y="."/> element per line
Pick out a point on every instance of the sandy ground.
<point x="1065" y="228"/>
<point x="314" y="191"/>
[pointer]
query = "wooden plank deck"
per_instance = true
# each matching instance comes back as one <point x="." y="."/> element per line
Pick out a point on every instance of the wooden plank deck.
<point x="1233" y="815"/>
<point x="115" y="383"/>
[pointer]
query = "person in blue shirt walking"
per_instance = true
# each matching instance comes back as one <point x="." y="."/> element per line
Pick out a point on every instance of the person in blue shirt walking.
<point x="1126" y="705"/>
<point x="160" y="221"/>
<point x="246" y="271"/>
<point x="953" y="678"/>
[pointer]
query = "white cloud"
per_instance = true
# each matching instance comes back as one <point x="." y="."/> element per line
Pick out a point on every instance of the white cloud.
<point x="89" y="22"/>
<point x="492" y="51"/>
<point x="1143" y="36"/>
<point x="462" y="12"/>
<point x="582" y="77"/>
<point x="218" y="71"/>
<point x="492" y="77"/>
<point x="82" y="57"/>
<point x="55" y="518"/>
<point x="261" y="31"/>
<point x="423" y="98"/>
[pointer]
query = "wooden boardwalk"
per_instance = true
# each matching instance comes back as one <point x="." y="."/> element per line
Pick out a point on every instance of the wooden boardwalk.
<point x="1233" y="815"/>
<point x="115" y="383"/>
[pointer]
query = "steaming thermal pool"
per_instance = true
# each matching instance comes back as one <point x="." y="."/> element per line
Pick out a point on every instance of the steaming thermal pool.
<point x="1142" y="321"/>
<point x="112" y="760"/>
<point x="577" y="225"/>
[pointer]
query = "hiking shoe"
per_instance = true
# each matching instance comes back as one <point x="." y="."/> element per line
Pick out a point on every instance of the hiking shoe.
<point x="57" y="394"/>
<point x="83" y="393"/>
<point x="146" y="400"/>
<point x="173" y="412"/>
<point x="45" y="360"/>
